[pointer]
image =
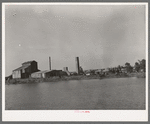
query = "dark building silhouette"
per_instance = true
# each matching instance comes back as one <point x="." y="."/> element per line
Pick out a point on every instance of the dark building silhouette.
<point x="25" y="70"/>
<point x="48" y="74"/>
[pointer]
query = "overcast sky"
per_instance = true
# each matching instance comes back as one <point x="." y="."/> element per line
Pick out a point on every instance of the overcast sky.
<point x="100" y="35"/>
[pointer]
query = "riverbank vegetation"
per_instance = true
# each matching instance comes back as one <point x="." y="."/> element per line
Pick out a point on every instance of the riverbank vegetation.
<point x="77" y="77"/>
<point x="138" y="70"/>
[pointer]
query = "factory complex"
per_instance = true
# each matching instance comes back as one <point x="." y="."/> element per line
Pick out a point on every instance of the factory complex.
<point x="30" y="69"/>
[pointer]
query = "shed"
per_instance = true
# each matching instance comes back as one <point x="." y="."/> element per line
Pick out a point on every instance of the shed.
<point x="48" y="73"/>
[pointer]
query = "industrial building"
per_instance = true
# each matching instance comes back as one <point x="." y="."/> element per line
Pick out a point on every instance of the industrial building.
<point x="30" y="69"/>
<point x="25" y="70"/>
<point x="48" y="74"/>
<point x="66" y="70"/>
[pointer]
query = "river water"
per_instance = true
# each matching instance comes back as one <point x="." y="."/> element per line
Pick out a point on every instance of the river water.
<point x="94" y="94"/>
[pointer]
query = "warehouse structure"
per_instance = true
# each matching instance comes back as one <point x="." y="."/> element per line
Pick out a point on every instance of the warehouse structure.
<point x="25" y="70"/>
<point x="48" y="74"/>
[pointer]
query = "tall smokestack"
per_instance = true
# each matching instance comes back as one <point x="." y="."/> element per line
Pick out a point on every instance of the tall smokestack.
<point x="49" y="63"/>
<point x="77" y="65"/>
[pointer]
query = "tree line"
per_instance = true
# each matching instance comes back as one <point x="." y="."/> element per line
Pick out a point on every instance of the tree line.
<point x="139" y="66"/>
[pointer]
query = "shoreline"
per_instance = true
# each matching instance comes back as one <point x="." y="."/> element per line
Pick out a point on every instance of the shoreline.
<point x="68" y="78"/>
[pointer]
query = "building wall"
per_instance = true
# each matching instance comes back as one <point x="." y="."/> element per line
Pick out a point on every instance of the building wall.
<point x="34" y="67"/>
<point x="25" y="73"/>
<point x="26" y="64"/>
<point x="48" y="74"/>
<point x="16" y="74"/>
<point x="53" y="73"/>
<point x="26" y="70"/>
<point x="64" y="73"/>
<point x="36" y="75"/>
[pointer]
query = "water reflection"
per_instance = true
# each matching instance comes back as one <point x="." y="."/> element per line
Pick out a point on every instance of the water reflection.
<point x="120" y="93"/>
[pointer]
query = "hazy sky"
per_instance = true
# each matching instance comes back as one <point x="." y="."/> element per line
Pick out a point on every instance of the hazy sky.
<point x="100" y="35"/>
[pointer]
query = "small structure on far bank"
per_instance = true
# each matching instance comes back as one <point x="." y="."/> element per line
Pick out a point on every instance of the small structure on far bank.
<point x="66" y="70"/>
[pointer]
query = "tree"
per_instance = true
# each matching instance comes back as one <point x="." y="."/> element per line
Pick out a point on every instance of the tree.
<point x="128" y="67"/>
<point x="143" y="64"/>
<point x="137" y="67"/>
<point x="119" y="67"/>
<point x="127" y="64"/>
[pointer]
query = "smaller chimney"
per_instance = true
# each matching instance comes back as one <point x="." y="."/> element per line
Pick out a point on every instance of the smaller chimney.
<point x="49" y="63"/>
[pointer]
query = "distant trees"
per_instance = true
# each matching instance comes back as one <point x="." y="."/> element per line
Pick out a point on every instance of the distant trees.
<point x="119" y="67"/>
<point x="128" y="67"/>
<point x="137" y="67"/>
<point x="143" y="65"/>
<point x="140" y="66"/>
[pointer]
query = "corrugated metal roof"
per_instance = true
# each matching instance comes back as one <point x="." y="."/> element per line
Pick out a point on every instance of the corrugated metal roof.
<point x="45" y="71"/>
<point x="28" y="62"/>
<point x="22" y="67"/>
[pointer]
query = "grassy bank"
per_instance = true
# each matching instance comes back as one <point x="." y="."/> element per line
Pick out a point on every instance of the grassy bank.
<point x="52" y="79"/>
<point x="141" y="75"/>
<point x="67" y="78"/>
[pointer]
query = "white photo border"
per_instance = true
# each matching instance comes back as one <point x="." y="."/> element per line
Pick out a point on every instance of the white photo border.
<point x="71" y="115"/>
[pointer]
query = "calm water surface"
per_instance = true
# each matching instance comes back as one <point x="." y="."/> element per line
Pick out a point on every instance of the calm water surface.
<point x="117" y="93"/>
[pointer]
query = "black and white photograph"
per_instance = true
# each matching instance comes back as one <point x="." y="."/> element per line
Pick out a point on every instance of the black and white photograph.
<point x="75" y="58"/>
